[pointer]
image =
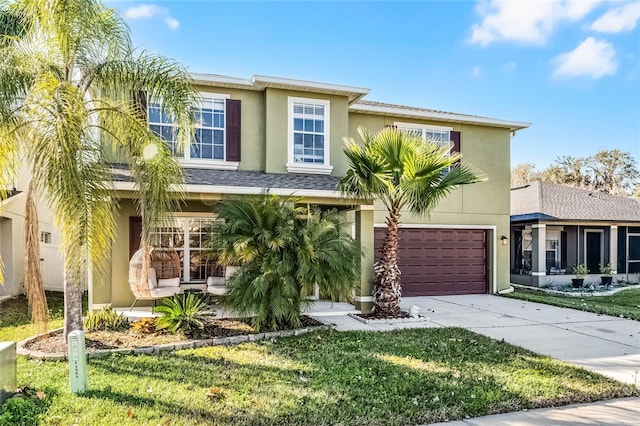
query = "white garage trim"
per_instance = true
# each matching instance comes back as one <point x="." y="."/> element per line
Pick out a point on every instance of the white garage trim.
<point x="494" y="253"/>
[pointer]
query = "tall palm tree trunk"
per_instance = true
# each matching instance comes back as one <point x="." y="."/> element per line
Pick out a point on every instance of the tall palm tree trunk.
<point x="386" y="286"/>
<point x="72" y="302"/>
<point x="34" y="286"/>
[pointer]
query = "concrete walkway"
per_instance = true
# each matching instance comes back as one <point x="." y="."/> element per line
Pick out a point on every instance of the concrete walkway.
<point x="618" y="412"/>
<point x="607" y="345"/>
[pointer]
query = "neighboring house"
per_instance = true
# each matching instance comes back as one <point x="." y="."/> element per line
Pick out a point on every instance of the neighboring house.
<point x="556" y="227"/>
<point x="287" y="135"/>
<point x="12" y="253"/>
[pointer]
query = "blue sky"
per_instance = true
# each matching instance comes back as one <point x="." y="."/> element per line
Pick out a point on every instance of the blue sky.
<point x="572" y="69"/>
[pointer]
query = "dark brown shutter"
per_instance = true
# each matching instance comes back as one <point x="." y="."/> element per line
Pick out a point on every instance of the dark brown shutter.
<point x="140" y="98"/>
<point x="233" y="130"/>
<point x="135" y="234"/>
<point x="455" y="138"/>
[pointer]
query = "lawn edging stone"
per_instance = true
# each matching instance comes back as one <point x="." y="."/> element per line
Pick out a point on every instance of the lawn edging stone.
<point x="162" y="348"/>
<point x="388" y="320"/>
<point x="576" y="293"/>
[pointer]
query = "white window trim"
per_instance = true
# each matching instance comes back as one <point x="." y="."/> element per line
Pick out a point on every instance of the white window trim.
<point x="185" y="159"/>
<point x="209" y="164"/>
<point x="423" y="127"/>
<point x="293" y="167"/>
<point x="408" y="126"/>
<point x="186" y="267"/>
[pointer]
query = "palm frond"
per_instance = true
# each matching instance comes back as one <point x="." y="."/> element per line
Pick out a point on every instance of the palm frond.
<point x="69" y="78"/>
<point x="283" y="251"/>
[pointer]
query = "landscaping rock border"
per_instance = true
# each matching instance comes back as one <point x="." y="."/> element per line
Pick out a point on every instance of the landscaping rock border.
<point x="387" y="320"/>
<point x="576" y="293"/>
<point x="165" y="347"/>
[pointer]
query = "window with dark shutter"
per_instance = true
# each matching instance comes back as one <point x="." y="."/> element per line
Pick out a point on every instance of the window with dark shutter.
<point x="455" y="138"/>
<point x="233" y="130"/>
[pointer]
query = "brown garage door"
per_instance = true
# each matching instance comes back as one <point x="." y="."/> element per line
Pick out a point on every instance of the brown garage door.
<point x="436" y="262"/>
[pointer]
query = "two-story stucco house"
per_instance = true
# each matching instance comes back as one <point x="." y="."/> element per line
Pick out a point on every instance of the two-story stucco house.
<point x="287" y="135"/>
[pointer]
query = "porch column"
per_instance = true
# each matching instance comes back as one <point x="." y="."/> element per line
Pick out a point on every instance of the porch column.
<point x="364" y="237"/>
<point x="538" y="252"/>
<point x="613" y="248"/>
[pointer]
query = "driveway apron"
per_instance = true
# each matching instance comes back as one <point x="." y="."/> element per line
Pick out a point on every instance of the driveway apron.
<point x="601" y="343"/>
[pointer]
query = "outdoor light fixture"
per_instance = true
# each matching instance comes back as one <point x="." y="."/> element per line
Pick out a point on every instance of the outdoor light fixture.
<point x="504" y="240"/>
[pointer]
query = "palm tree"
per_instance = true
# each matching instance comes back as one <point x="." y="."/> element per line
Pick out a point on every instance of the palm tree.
<point x="34" y="286"/>
<point x="282" y="252"/>
<point x="405" y="173"/>
<point x="73" y="94"/>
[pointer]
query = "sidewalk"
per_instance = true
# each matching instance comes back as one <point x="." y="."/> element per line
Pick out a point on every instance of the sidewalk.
<point x="617" y="412"/>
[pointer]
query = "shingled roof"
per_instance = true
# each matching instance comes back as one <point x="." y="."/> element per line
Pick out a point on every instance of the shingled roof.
<point x="243" y="178"/>
<point x="549" y="201"/>
<point x="394" y="110"/>
<point x="6" y="198"/>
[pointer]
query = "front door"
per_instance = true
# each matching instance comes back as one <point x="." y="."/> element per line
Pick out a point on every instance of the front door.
<point x="593" y="249"/>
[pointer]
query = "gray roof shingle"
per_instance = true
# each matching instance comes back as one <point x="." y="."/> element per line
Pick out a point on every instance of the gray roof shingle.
<point x="561" y="202"/>
<point x="388" y="105"/>
<point x="244" y="178"/>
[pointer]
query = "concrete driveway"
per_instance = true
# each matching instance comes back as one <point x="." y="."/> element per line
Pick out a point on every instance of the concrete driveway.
<point x="608" y="345"/>
<point x="600" y="343"/>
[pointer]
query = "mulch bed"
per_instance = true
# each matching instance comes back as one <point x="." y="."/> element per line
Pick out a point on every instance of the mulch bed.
<point x="381" y="316"/>
<point x="100" y="340"/>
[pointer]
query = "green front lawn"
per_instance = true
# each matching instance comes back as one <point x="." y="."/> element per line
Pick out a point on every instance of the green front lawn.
<point x="15" y="324"/>
<point x="625" y="303"/>
<point x="403" y="377"/>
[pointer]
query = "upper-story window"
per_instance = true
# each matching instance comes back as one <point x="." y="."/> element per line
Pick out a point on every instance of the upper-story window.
<point x="208" y="142"/>
<point x="208" y="145"/>
<point x="308" y="136"/>
<point x="438" y="134"/>
<point x="162" y="124"/>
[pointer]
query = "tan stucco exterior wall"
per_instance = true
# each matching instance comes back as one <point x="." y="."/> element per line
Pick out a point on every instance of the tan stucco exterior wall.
<point x="277" y="119"/>
<point x="265" y="147"/>
<point x="252" y="127"/>
<point x="484" y="204"/>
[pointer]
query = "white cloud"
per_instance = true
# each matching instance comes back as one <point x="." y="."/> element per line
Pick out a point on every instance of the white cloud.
<point x="172" y="23"/>
<point x="530" y="22"/>
<point x="145" y="11"/>
<point x="618" y="19"/>
<point x="150" y="11"/>
<point x="592" y="58"/>
<point x="475" y="72"/>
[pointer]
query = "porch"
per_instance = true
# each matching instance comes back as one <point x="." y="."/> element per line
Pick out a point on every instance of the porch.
<point x="186" y="232"/>
<point x="543" y="254"/>
<point x="320" y="308"/>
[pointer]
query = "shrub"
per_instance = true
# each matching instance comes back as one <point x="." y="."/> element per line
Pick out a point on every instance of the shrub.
<point x="606" y="270"/>
<point x="579" y="270"/>
<point x="106" y="319"/>
<point x="23" y="410"/>
<point x="145" y="326"/>
<point x="282" y="252"/>
<point x="182" y="313"/>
